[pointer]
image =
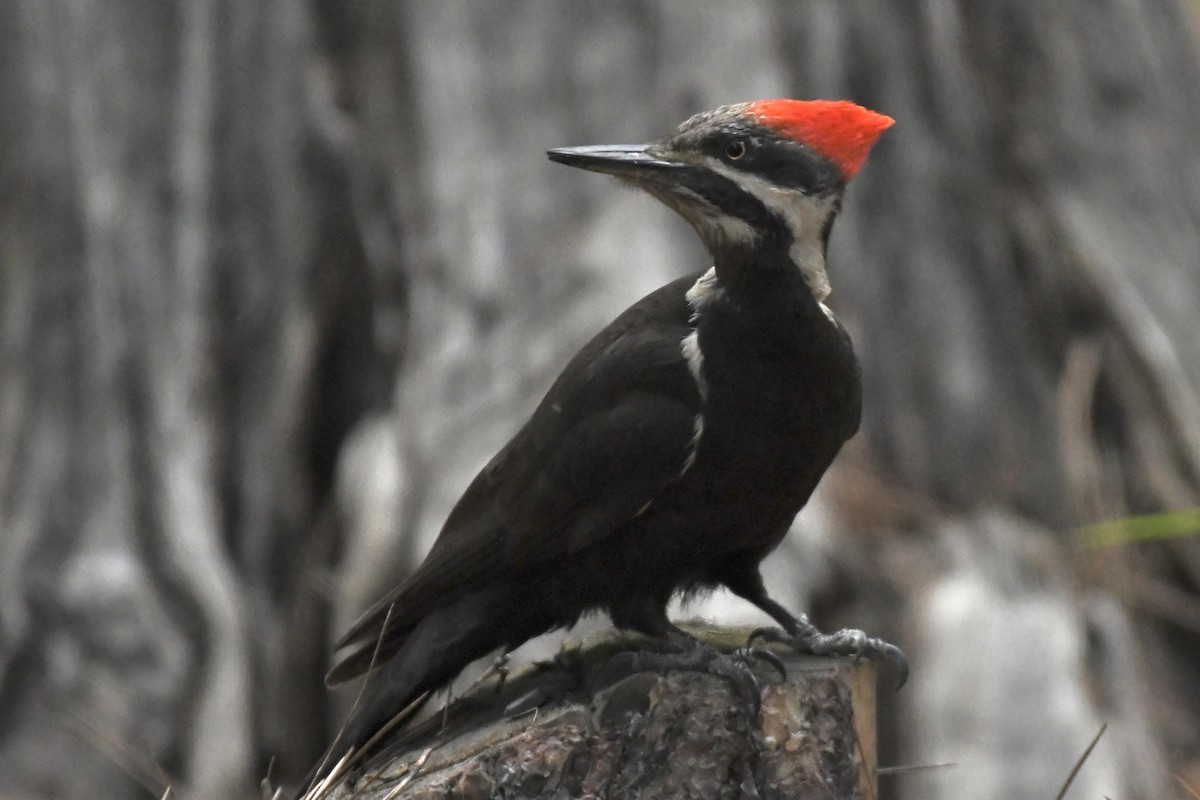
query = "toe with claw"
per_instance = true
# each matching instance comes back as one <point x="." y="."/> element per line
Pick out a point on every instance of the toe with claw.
<point x="846" y="642"/>
<point x="697" y="657"/>
<point x="750" y="655"/>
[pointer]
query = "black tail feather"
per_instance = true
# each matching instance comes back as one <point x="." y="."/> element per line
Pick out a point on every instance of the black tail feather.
<point x="432" y="655"/>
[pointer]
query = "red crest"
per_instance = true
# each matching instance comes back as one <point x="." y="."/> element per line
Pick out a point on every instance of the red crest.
<point x="838" y="130"/>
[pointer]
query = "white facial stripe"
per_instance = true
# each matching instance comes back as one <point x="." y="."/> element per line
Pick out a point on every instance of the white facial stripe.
<point x="730" y="229"/>
<point x="804" y="215"/>
<point x="713" y="224"/>
<point x="702" y="293"/>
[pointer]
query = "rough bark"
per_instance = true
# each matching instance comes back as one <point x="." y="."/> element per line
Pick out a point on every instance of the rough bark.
<point x="579" y="727"/>
<point x="277" y="278"/>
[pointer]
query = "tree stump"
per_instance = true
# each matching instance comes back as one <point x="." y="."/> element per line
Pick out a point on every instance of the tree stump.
<point x="572" y="728"/>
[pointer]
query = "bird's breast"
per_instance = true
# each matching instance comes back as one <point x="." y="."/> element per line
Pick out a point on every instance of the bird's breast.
<point x="779" y="394"/>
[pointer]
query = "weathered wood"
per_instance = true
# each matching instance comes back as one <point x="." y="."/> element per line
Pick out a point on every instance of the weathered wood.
<point x="578" y="727"/>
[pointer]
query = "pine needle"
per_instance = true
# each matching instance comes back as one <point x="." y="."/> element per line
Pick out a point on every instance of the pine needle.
<point x="1079" y="764"/>
<point x="905" y="768"/>
<point x="1187" y="787"/>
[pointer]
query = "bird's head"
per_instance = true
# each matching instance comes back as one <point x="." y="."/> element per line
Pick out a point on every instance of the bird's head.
<point x="766" y="176"/>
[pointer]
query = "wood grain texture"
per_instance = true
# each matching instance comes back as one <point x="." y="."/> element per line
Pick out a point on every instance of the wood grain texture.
<point x="649" y="734"/>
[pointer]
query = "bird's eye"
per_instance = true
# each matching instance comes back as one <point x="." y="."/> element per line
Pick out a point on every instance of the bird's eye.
<point x="735" y="149"/>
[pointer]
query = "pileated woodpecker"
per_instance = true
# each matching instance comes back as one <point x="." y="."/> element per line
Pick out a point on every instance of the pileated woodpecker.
<point x="675" y="449"/>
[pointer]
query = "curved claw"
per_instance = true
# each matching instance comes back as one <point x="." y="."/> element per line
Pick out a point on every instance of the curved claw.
<point x="696" y="658"/>
<point x="741" y="679"/>
<point x="745" y="654"/>
<point x="857" y="645"/>
<point x="847" y="642"/>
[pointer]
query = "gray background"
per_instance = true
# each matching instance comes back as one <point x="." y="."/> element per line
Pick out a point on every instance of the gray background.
<point x="276" y="278"/>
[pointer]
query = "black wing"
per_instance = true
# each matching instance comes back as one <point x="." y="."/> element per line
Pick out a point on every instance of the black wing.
<point x="614" y="430"/>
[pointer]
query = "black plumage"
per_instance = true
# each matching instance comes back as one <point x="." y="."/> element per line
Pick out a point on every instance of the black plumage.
<point x="671" y="454"/>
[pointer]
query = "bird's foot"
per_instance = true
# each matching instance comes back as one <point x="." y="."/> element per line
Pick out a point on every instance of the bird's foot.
<point x="750" y="654"/>
<point x="735" y="668"/>
<point x="847" y="642"/>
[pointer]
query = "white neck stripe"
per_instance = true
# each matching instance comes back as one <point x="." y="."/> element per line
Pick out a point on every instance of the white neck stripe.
<point x="804" y="215"/>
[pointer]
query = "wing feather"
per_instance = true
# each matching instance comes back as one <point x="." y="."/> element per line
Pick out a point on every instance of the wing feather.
<point x="614" y="431"/>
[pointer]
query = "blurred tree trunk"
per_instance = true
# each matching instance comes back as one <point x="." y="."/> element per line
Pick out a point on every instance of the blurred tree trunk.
<point x="277" y="278"/>
<point x="191" y="325"/>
